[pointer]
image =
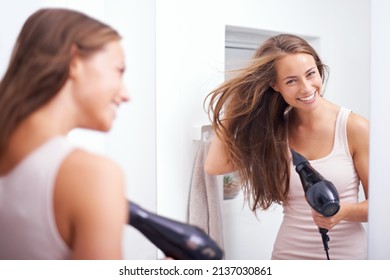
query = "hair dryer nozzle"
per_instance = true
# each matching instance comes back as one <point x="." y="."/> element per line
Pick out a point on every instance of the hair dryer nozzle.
<point x="298" y="159"/>
<point x="178" y="240"/>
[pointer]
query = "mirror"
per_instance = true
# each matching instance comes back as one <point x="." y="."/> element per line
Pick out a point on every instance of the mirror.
<point x="240" y="45"/>
<point x="191" y="59"/>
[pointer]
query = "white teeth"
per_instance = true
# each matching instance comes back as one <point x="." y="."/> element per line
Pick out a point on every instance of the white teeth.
<point x="308" y="97"/>
<point x="114" y="107"/>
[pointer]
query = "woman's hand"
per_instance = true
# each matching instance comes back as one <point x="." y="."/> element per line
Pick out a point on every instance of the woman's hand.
<point x="353" y="212"/>
<point x="329" y="222"/>
<point x="325" y="222"/>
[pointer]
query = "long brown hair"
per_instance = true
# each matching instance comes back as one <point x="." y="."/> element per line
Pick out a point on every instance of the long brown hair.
<point x="40" y="61"/>
<point x="249" y="118"/>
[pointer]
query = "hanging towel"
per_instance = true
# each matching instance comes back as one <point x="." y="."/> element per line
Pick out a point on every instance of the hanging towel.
<point x="204" y="199"/>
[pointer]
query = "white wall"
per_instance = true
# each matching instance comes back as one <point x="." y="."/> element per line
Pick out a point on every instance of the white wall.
<point x="379" y="207"/>
<point x="190" y="63"/>
<point x="12" y="16"/>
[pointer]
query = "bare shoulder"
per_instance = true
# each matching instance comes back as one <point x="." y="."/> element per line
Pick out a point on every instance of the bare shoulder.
<point x="358" y="130"/>
<point x="90" y="162"/>
<point x="91" y="205"/>
<point x="83" y="172"/>
<point x="357" y="124"/>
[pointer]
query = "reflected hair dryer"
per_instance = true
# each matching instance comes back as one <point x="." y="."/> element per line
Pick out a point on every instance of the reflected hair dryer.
<point x="177" y="240"/>
<point x="320" y="193"/>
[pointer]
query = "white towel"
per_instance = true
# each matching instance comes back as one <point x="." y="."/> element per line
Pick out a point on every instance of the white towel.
<point x="204" y="199"/>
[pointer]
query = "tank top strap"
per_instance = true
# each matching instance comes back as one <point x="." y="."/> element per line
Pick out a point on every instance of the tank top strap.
<point x="341" y="140"/>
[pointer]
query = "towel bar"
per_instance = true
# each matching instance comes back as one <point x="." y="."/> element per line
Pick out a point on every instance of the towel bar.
<point x="200" y="132"/>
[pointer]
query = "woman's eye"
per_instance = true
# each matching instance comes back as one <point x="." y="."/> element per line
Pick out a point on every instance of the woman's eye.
<point x="290" y="82"/>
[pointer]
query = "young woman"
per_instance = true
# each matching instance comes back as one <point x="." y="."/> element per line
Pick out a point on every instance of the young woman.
<point x="276" y="104"/>
<point x="57" y="201"/>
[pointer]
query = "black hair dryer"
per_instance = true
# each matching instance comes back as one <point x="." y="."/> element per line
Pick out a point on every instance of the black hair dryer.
<point x="320" y="193"/>
<point x="177" y="240"/>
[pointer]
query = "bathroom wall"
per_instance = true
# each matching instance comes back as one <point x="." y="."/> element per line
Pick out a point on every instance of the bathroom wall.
<point x="379" y="207"/>
<point x="12" y="16"/>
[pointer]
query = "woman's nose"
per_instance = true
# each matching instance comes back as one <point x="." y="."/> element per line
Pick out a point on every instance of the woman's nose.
<point x="306" y="85"/>
<point x="124" y="95"/>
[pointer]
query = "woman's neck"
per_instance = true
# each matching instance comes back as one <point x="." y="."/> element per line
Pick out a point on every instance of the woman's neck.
<point x="49" y="121"/>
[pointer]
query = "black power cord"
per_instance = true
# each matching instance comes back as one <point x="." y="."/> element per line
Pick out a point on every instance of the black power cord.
<point x="325" y="239"/>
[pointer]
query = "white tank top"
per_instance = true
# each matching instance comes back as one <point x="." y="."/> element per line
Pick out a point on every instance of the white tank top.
<point x="28" y="227"/>
<point x="298" y="236"/>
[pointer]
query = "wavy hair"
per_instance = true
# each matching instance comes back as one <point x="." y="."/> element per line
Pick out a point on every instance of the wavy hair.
<point x="40" y="61"/>
<point x="250" y="119"/>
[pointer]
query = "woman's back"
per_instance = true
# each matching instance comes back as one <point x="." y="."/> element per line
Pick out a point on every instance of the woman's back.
<point x="27" y="216"/>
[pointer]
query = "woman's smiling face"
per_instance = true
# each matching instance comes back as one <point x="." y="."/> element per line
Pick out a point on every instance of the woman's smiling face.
<point x="99" y="88"/>
<point x="298" y="80"/>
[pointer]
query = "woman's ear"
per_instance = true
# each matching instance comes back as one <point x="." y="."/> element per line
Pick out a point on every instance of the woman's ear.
<point x="274" y="87"/>
<point x="74" y="62"/>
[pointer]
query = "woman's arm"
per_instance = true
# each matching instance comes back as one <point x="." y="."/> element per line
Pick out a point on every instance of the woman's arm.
<point x="91" y="208"/>
<point x="358" y="132"/>
<point x="217" y="161"/>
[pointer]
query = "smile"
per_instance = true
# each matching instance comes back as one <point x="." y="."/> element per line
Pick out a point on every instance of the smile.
<point x="114" y="107"/>
<point x="308" y="98"/>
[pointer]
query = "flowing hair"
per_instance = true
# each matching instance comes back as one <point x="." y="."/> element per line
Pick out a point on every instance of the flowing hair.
<point x="40" y="61"/>
<point x="249" y="117"/>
